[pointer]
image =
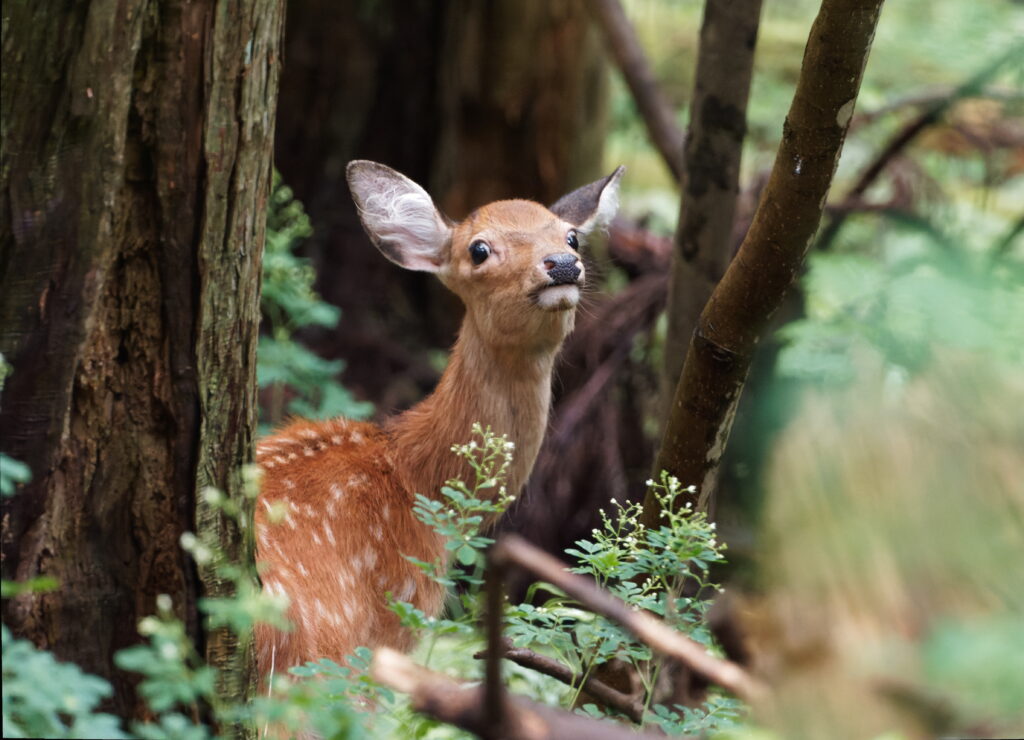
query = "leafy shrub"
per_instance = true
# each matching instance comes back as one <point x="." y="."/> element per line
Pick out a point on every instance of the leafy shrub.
<point x="43" y="697"/>
<point x="297" y="380"/>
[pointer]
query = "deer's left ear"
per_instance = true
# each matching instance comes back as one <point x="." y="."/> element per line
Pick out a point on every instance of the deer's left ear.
<point x="592" y="206"/>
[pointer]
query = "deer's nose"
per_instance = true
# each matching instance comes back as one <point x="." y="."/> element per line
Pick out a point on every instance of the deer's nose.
<point x="563" y="268"/>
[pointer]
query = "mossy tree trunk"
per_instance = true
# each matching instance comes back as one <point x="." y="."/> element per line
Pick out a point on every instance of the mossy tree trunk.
<point x="135" y="173"/>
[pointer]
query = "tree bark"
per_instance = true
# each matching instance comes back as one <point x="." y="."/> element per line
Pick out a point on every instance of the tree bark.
<point x="710" y="187"/>
<point x="756" y="281"/>
<point x="135" y="173"/>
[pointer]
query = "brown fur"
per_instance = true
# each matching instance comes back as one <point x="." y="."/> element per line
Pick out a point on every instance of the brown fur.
<point x="348" y="486"/>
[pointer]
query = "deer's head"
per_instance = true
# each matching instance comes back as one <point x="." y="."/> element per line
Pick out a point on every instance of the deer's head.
<point x="515" y="264"/>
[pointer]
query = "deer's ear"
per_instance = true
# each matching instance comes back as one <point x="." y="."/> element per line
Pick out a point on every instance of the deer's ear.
<point x="399" y="217"/>
<point x="593" y="206"/>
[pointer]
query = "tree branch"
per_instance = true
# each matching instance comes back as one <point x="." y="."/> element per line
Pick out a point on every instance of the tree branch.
<point x="931" y="115"/>
<point x="773" y="250"/>
<point x="652" y="632"/>
<point x="629" y="56"/>
<point x="463" y="706"/>
<point x="628" y="705"/>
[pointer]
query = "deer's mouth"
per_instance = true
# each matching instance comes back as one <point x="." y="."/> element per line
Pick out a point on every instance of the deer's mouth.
<point x="558" y="297"/>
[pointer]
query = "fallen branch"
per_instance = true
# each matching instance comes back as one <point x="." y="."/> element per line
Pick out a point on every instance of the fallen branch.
<point x="463" y="706"/>
<point x="656" y="634"/>
<point x="629" y="56"/>
<point x="604" y="694"/>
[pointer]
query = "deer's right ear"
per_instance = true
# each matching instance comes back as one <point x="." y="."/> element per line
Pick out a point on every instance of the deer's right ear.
<point x="399" y="217"/>
<point x="593" y="206"/>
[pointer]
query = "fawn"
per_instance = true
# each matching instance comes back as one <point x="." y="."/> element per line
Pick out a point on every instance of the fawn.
<point x="347" y="487"/>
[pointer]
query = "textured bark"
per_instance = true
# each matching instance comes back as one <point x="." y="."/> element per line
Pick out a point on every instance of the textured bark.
<point x="756" y="281"/>
<point x="714" y="145"/>
<point x="477" y="101"/>
<point x="135" y="166"/>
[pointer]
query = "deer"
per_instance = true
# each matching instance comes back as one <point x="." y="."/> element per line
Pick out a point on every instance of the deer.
<point x="346" y="488"/>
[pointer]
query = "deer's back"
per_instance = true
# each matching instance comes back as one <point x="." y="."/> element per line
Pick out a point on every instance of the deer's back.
<point x="333" y="524"/>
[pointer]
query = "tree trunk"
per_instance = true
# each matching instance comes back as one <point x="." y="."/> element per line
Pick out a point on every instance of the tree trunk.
<point x="756" y="281"/>
<point x="711" y="173"/>
<point x="135" y="173"/>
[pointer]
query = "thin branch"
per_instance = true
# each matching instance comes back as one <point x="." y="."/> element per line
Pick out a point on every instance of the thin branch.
<point x="463" y="706"/>
<point x="657" y="114"/>
<point x="930" y="98"/>
<point x="621" y="702"/>
<point x="652" y="632"/>
<point x="931" y="115"/>
<point x="494" y="689"/>
<point x="738" y="312"/>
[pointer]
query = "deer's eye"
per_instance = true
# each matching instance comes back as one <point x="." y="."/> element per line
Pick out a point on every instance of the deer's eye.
<point x="573" y="241"/>
<point x="479" y="251"/>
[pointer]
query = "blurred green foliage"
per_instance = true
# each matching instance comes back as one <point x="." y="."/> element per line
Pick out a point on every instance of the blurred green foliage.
<point x="295" y="380"/>
<point x="43" y="697"/>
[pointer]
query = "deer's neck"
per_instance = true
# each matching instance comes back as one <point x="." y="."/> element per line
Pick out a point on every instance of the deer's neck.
<point x="505" y="387"/>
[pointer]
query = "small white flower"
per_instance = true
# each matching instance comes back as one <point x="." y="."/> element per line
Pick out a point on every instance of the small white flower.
<point x="650" y="482"/>
<point x="163" y="603"/>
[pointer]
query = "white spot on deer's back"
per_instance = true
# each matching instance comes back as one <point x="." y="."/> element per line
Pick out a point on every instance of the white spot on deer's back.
<point x="317" y="540"/>
<point x="369" y="557"/>
<point x="378" y="533"/>
<point x="309" y="434"/>
<point x="408" y="590"/>
<point x="302" y="569"/>
<point x="329" y="534"/>
<point x="336" y="439"/>
<point x="336" y="492"/>
<point x="357" y="438"/>
<point x="348" y="609"/>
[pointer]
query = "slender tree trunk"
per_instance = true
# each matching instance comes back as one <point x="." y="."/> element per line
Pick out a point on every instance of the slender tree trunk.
<point x="756" y="281"/>
<point x="135" y="173"/>
<point x="711" y="174"/>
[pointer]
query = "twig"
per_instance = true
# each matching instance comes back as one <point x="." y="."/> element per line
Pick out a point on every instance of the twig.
<point x="657" y="114"/>
<point x="628" y="705"/>
<point x="930" y="98"/>
<point x="903" y="138"/>
<point x="494" y="690"/>
<point x="653" y="632"/>
<point x="449" y="701"/>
